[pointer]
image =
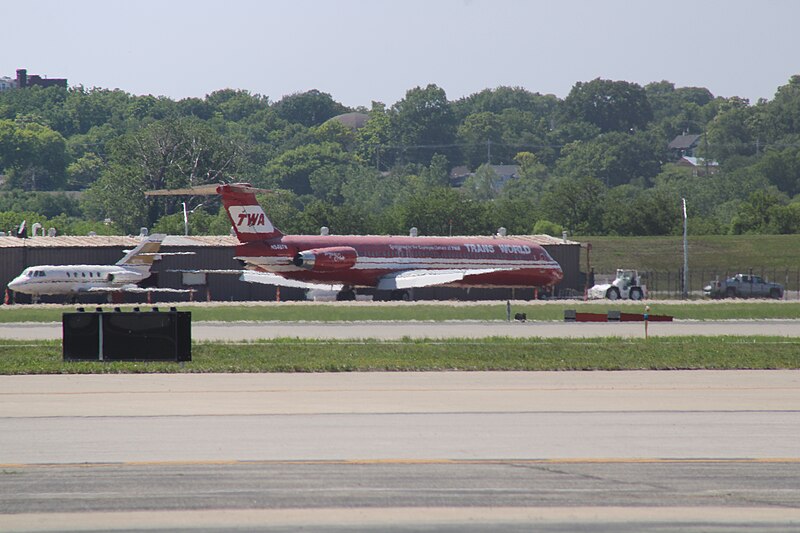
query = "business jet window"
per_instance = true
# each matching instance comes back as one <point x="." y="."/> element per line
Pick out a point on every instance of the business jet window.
<point x="91" y="275"/>
<point x="68" y="275"/>
<point x="83" y="274"/>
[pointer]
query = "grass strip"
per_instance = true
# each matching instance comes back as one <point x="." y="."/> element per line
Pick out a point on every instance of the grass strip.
<point x="293" y="355"/>
<point x="290" y="312"/>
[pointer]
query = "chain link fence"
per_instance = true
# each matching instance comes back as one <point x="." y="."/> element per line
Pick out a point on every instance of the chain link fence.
<point x="669" y="284"/>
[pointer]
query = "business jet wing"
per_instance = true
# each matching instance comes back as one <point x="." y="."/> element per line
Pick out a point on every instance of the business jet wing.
<point x="136" y="289"/>
<point x="408" y="279"/>
<point x="268" y="278"/>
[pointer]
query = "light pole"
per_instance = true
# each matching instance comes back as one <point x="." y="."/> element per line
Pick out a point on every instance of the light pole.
<point x="685" y="253"/>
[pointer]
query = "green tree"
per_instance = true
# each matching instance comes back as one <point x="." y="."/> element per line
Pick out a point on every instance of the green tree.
<point x="514" y="99"/>
<point x="731" y="132"/>
<point x="34" y="155"/>
<point x="173" y="153"/>
<point x="755" y="214"/>
<point x="441" y="211"/>
<point x="609" y="105"/>
<point x="545" y="227"/>
<point x="784" y="111"/>
<point x="630" y="211"/>
<point x="84" y="171"/>
<point x="293" y="169"/>
<point x="310" y="108"/>
<point x="482" y="185"/>
<point x="476" y="135"/>
<point x="231" y="104"/>
<point x="614" y="158"/>
<point x="424" y="124"/>
<point x="576" y="204"/>
<point x="782" y="169"/>
<point x="374" y="138"/>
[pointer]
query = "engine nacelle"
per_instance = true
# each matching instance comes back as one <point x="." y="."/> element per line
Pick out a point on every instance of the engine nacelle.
<point x="327" y="259"/>
<point x="124" y="277"/>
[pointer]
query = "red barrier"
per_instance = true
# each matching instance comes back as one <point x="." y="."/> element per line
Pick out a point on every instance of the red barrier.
<point x="591" y="317"/>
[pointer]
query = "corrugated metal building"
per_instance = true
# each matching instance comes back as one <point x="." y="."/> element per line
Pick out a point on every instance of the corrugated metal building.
<point x="216" y="252"/>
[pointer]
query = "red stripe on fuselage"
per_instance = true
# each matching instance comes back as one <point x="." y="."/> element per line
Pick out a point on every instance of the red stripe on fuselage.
<point x="381" y="255"/>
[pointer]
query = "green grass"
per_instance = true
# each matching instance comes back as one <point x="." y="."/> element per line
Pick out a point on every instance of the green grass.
<point x="292" y="355"/>
<point x="696" y="310"/>
<point x="721" y="253"/>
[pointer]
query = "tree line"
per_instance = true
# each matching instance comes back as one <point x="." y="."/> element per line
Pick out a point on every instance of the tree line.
<point x="593" y="163"/>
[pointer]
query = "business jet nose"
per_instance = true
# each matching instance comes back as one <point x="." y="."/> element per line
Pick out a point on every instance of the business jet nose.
<point x="17" y="283"/>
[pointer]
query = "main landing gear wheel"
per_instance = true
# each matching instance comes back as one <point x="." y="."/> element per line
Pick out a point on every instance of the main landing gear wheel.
<point x="346" y="295"/>
<point x="401" y="295"/>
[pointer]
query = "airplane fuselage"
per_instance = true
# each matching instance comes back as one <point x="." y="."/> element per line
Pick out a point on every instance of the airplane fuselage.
<point x="74" y="279"/>
<point x="360" y="261"/>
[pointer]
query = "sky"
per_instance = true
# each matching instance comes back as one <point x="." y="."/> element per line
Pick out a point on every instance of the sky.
<point x="360" y="51"/>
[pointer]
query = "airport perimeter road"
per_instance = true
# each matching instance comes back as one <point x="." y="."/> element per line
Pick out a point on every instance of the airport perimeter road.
<point x="388" y="330"/>
<point x="472" y="451"/>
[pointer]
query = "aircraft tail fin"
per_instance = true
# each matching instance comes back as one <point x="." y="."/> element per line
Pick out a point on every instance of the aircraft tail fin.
<point x="144" y="254"/>
<point x="247" y="216"/>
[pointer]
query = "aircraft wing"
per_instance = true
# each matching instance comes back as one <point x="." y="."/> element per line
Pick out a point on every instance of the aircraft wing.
<point x="274" y="279"/>
<point x="268" y="278"/>
<point x="136" y="289"/>
<point x="407" y="279"/>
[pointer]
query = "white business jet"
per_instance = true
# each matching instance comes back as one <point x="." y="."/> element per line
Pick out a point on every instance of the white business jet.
<point x="122" y="276"/>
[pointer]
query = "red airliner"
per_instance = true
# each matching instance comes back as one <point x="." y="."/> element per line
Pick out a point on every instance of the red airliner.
<point x="390" y="263"/>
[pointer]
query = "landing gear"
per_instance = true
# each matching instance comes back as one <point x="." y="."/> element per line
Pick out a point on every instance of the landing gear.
<point x="400" y="295"/>
<point x="347" y="294"/>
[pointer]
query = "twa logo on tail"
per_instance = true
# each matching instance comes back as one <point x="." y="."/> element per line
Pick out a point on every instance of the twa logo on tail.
<point x="250" y="219"/>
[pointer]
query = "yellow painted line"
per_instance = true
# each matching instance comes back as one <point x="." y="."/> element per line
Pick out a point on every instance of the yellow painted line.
<point x="432" y="461"/>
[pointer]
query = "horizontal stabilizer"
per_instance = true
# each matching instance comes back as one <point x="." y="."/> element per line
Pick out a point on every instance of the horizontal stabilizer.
<point x="426" y="278"/>
<point x="274" y="279"/>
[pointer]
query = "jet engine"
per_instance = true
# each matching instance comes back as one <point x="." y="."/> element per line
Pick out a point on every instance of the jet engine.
<point x="327" y="259"/>
<point x="124" y="277"/>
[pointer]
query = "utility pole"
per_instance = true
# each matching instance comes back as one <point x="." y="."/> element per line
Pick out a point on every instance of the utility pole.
<point x="488" y="151"/>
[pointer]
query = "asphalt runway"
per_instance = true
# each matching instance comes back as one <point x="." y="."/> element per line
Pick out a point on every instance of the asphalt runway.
<point x="453" y="451"/>
<point x="389" y="330"/>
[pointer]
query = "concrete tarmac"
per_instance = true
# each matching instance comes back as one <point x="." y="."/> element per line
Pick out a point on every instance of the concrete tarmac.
<point x="504" y="451"/>
<point x="389" y="330"/>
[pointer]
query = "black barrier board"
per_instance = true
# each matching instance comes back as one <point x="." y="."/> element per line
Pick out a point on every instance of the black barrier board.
<point x="81" y="336"/>
<point x="127" y="336"/>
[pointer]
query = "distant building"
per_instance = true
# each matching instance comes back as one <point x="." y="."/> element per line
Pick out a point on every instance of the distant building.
<point x="7" y="83"/>
<point x="684" y="145"/>
<point x="698" y="165"/>
<point x="34" y="80"/>
<point x="354" y="121"/>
